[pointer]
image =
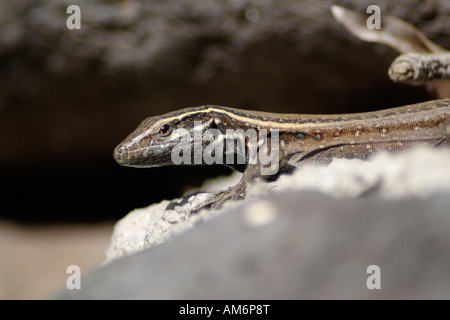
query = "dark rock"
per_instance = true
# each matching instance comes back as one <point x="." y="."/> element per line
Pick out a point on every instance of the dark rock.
<point x="83" y="90"/>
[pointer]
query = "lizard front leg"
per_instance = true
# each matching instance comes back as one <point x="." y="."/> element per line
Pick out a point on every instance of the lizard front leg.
<point x="250" y="175"/>
<point x="254" y="171"/>
<point x="446" y="128"/>
<point x="445" y="142"/>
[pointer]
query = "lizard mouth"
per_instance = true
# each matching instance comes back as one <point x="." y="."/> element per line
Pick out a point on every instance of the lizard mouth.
<point x="139" y="157"/>
<point x="124" y="157"/>
<point x="121" y="154"/>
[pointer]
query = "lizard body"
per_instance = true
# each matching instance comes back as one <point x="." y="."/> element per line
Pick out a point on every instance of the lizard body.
<point x="300" y="138"/>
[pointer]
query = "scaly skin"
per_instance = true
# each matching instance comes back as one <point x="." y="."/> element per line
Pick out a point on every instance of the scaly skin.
<point x="302" y="138"/>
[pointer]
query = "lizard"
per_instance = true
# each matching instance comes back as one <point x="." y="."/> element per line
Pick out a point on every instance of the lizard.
<point x="301" y="138"/>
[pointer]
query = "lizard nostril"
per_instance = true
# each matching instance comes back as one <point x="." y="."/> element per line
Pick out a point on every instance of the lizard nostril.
<point x="119" y="152"/>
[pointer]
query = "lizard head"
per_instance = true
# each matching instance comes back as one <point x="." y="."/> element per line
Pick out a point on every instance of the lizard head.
<point x="157" y="141"/>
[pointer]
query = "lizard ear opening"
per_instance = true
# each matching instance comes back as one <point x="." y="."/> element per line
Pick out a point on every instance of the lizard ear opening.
<point x="216" y="124"/>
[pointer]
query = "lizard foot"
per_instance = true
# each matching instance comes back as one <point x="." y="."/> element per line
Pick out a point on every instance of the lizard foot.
<point x="218" y="200"/>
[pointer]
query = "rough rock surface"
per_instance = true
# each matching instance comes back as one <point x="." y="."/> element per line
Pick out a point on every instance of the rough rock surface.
<point x="417" y="174"/>
<point x="287" y="241"/>
<point x="147" y="227"/>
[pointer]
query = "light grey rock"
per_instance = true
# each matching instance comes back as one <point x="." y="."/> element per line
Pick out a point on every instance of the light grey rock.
<point x="147" y="227"/>
<point x="419" y="173"/>
<point x="308" y="246"/>
<point x="304" y="238"/>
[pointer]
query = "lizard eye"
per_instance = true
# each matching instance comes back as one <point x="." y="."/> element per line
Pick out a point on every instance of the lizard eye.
<point x="164" y="129"/>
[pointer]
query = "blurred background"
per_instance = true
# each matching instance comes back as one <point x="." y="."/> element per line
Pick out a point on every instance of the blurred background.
<point x="68" y="97"/>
